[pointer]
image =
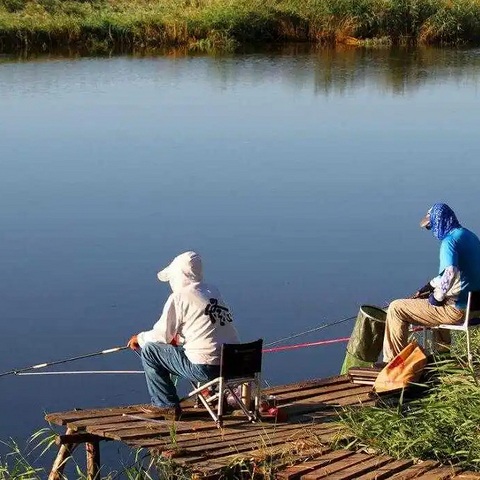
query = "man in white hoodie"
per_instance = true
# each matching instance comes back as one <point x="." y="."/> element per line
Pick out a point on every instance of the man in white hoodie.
<point x="187" y="339"/>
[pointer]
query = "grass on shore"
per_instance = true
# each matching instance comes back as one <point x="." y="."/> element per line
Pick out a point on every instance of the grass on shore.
<point x="23" y="463"/>
<point x="99" y="25"/>
<point x="443" y="425"/>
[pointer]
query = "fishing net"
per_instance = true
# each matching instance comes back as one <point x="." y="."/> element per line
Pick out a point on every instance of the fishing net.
<point x="366" y="341"/>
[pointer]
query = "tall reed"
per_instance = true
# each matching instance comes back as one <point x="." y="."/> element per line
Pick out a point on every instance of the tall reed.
<point x="224" y="24"/>
<point x="443" y="425"/>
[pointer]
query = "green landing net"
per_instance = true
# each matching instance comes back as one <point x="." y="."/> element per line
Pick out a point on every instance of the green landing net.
<point x="366" y="341"/>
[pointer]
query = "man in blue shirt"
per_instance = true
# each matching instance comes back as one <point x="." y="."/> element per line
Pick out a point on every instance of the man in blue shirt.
<point x="443" y="300"/>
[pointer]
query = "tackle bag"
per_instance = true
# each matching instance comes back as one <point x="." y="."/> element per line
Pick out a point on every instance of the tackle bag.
<point x="405" y="368"/>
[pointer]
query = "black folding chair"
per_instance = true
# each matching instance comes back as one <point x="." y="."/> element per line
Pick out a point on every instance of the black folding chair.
<point x="240" y="363"/>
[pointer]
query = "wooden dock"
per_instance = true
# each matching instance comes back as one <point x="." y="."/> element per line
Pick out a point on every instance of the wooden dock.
<point x="298" y="447"/>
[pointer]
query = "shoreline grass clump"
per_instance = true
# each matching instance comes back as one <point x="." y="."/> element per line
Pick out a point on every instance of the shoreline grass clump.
<point x="26" y="463"/>
<point x="442" y="425"/>
<point x="126" y="25"/>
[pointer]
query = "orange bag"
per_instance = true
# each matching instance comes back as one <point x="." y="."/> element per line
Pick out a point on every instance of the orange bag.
<point x="405" y="368"/>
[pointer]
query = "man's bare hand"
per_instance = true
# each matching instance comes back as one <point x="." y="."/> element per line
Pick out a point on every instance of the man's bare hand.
<point x="133" y="343"/>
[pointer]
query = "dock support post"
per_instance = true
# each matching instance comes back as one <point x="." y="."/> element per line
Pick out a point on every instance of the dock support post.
<point x="93" y="460"/>
<point x="64" y="452"/>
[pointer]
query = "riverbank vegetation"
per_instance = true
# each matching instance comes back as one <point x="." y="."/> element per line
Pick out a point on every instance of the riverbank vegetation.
<point x="25" y="463"/>
<point x="97" y="25"/>
<point x="441" y="425"/>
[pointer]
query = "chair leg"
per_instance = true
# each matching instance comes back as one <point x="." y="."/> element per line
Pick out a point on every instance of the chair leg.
<point x="208" y="408"/>
<point x="221" y="388"/>
<point x="425" y="338"/>
<point x="198" y="402"/>
<point x="258" y="394"/>
<point x="469" y="353"/>
<point x="240" y="403"/>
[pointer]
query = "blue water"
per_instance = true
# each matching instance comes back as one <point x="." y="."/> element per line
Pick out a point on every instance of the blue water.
<point x="300" y="178"/>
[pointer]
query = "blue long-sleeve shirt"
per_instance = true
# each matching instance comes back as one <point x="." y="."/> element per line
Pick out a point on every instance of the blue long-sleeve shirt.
<point x="459" y="270"/>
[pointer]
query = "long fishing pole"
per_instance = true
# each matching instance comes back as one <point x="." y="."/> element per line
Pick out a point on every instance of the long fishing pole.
<point x="316" y="329"/>
<point x="79" y="372"/>
<point x="58" y="362"/>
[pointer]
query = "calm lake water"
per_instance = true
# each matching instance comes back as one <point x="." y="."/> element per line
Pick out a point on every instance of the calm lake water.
<point x="300" y="178"/>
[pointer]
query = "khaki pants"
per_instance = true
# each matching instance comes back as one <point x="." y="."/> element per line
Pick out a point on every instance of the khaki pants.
<point x="403" y="313"/>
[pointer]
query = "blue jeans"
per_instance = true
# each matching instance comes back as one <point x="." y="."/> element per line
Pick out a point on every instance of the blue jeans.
<point x="160" y="360"/>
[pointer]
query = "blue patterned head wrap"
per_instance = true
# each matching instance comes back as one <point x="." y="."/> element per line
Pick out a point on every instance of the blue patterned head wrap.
<point x="442" y="220"/>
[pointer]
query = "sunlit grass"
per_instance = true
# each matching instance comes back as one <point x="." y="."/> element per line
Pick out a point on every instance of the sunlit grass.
<point x="26" y="462"/>
<point x="442" y="425"/>
<point x="225" y="24"/>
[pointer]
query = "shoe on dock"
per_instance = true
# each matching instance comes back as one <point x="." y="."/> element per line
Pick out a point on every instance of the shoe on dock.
<point x="168" y="413"/>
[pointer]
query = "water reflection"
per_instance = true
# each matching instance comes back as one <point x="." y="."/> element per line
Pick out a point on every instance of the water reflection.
<point x="338" y="71"/>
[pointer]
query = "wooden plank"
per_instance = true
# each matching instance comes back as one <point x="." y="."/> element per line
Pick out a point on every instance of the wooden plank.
<point x="415" y="470"/>
<point x="144" y="424"/>
<point x="91" y="413"/>
<point x="467" y="476"/>
<point x="313" y="405"/>
<point x="199" y="435"/>
<point x="367" y="466"/>
<point x="327" y="415"/>
<point x="387" y="471"/>
<point x="275" y="456"/>
<point x="306" y="384"/>
<point x="295" y="459"/>
<point x="62" y="418"/>
<point x="72" y="438"/>
<point x="314" y="392"/>
<point x="324" y="472"/>
<point x="201" y="458"/>
<point x="259" y="435"/>
<point x="245" y="451"/>
<point x="332" y="397"/>
<point x="159" y="430"/>
<point x="251" y="442"/>
<point x="113" y="421"/>
<point x="363" y="400"/>
<point x="248" y="438"/>
<point x="189" y="440"/>
<point x="440" y="473"/>
<point x="192" y="440"/>
<point x="119" y="419"/>
<point x="295" y="472"/>
<point x="224" y="457"/>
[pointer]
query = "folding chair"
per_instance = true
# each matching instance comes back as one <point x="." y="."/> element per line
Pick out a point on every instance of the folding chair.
<point x="472" y="320"/>
<point x="239" y="363"/>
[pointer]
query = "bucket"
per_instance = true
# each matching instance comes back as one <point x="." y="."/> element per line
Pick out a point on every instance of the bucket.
<point x="366" y="340"/>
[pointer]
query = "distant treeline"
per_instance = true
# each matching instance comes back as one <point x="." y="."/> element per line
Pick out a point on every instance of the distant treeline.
<point x="102" y="25"/>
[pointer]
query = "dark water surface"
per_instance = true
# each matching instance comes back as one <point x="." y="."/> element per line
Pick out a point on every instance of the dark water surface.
<point x="301" y="180"/>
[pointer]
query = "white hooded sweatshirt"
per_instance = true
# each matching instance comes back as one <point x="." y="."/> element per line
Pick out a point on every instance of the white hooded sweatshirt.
<point x="194" y="315"/>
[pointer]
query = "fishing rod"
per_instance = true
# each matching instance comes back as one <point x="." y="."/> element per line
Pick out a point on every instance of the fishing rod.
<point x="304" y="345"/>
<point x="316" y="329"/>
<point x="321" y="327"/>
<point x="58" y="362"/>
<point x="79" y="372"/>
